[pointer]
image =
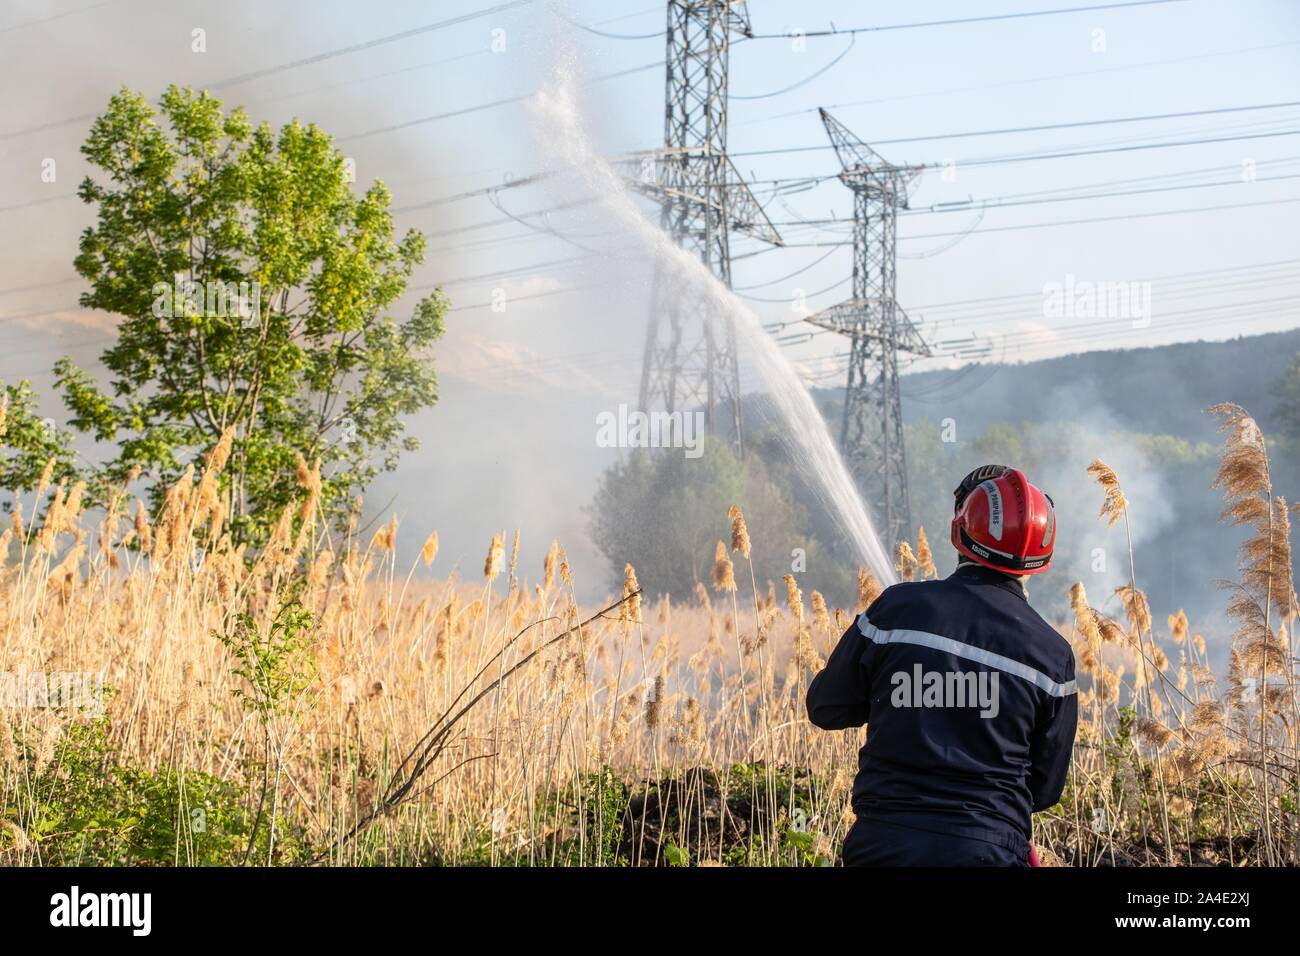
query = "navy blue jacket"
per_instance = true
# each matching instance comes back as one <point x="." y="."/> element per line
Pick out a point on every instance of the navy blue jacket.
<point x="969" y="701"/>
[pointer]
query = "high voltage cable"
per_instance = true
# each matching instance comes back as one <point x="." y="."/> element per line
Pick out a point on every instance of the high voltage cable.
<point x="572" y="260"/>
<point x="796" y="85"/>
<point x="791" y="180"/>
<point x="1124" y="326"/>
<point x="853" y="31"/>
<point x="368" y="44"/>
<point x="1049" y="337"/>
<point x="759" y="285"/>
<point x="942" y="329"/>
<point x="987" y="161"/>
<point x="970" y="205"/>
<point x="1040" y="225"/>
<point x="1021" y="158"/>
<point x="57" y="16"/>
<point x="1141" y="179"/>
<point x="945" y="326"/>
<point x="1176" y="275"/>
<point x="958" y="21"/>
<point x="848" y="104"/>
<point x="630" y="353"/>
<point x="1192" y="277"/>
<point x="1151" y="117"/>
<point x="1092" y="329"/>
<point x="522" y="371"/>
<point x="506" y="101"/>
<point x="960" y="328"/>
<point x="529" y="180"/>
<point x="838" y="243"/>
<point x="306" y="61"/>
<point x="611" y="36"/>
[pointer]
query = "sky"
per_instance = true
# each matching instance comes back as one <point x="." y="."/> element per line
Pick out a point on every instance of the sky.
<point x="1204" y="239"/>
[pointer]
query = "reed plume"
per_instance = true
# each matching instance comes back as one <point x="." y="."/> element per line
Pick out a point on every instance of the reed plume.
<point x="430" y="549"/>
<point x="724" y="576"/>
<point x="868" y="589"/>
<point x="924" y="557"/>
<point x="496" y="551"/>
<point x="905" y="563"/>
<point x="1114" y="505"/>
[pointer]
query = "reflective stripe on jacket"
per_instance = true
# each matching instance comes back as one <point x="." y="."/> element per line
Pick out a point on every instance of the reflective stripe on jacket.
<point x="970" y="704"/>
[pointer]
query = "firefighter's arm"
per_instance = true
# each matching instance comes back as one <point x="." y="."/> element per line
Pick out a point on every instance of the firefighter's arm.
<point x="839" y="696"/>
<point x="1051" y="749"/>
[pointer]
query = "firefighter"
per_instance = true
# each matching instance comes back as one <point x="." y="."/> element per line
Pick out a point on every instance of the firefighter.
<point x="968" y="694"/>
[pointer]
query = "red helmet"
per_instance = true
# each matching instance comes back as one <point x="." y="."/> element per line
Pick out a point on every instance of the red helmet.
<point x="1003" y="522"/>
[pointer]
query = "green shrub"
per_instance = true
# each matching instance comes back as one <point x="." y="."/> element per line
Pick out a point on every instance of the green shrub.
<point x="87" y="808"/>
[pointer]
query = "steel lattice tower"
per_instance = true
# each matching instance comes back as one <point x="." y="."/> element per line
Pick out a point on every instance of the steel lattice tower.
<point x="871" y="435"/>
<point x="690" y="358"/>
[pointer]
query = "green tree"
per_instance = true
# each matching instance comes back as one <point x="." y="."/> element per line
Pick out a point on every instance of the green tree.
<point x="253" y="288"/>
<point x="28" y="443"/>
<point x="665" y="513"/>
<point x="1287" y="392"/>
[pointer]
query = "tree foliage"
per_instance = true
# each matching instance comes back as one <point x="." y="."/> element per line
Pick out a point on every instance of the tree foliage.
<point x="29" y="444"/>
<point x="253" y="290"/>
<point x="664" y="513"/>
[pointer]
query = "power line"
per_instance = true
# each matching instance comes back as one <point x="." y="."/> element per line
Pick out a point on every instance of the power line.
<point x="505" y="101"/>
<point x="942" y="327"/>
<point x="529" y="180"/>
<point x="368" y="44"/>
<point x="1198" y="273"/>
<point x="1021" y="158"/>
<point x="1141" y="215"/>
<point x="1052" y="126"/>
<point x="57" y="16"/>
<point x="1093" y="331"/>
<point x="958" y="21"/>
<point x="948" y="91"/>
<point x="609" y="358"/>
<point x="14" y="290"/>
<point x="613" y="359"/>
<point x="820" y="259"/>
<point x="1060" y="222"/>
<point x="1006" y="203"/>
<point x="369" y="77"/>
<point x="1191" y="280"/>
<point x="830" y="245"/>
<point x="610" y="36"/>
<point x="804" y="82"/>
<point x="305" y="61"/>
<point x="1159" y="177"/>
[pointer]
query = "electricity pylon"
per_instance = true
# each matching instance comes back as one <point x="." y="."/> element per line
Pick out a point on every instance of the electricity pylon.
<point x="871" y="435"/>
<point x="690" y="358"/>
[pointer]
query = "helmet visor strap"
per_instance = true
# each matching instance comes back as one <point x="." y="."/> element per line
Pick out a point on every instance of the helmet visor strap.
<point x="1008" y="562"/>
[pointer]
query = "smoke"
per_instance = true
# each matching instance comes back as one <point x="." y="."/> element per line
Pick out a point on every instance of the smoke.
<point x="1180" y="551"/>
<point x="1094" y="552"/>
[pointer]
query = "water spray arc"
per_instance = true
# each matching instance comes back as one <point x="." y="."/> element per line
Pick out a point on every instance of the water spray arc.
<point x="683" y="274"/>
<point x="871" y="432"/>
<point x="691" y="360"/>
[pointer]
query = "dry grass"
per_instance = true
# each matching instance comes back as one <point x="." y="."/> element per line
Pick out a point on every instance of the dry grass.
<point x="550" y="765"/>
